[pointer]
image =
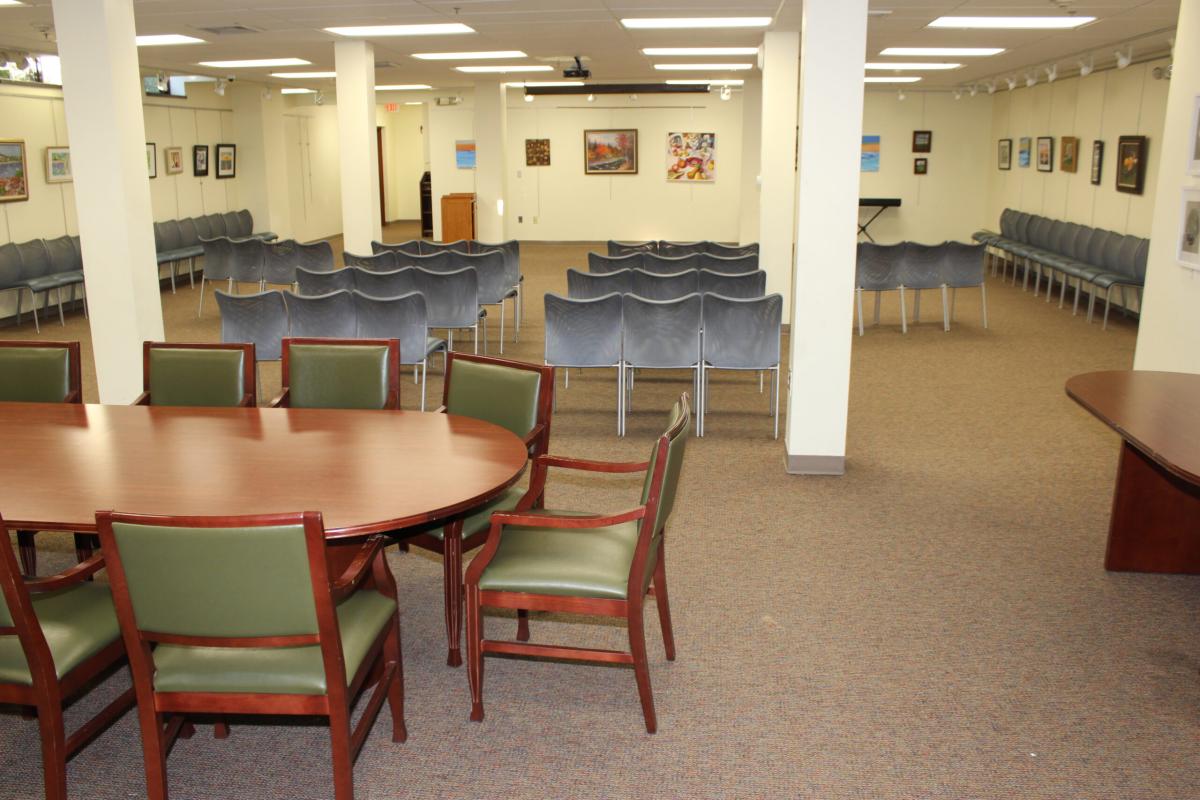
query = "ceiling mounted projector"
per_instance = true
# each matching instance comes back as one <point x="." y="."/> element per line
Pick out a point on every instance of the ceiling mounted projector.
<point x="577" y="72"/>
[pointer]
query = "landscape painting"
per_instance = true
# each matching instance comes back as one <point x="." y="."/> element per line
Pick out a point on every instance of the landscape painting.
<point x="610" y="152"/>
<point x="58" y="164"/>
<point x="14" y="177"/>
<point x="870" y="154"/>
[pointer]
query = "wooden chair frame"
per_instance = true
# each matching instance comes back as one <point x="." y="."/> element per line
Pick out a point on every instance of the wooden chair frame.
<point x="163" y="715"/>
<point x="249" y="379"/>
<point x="630" y="608"/>
<point x="392" y="403"/>
<point x="452" y="545"/>
<point x="48" y="693"/>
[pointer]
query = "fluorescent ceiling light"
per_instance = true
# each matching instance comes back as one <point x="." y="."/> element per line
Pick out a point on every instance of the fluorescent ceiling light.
<point x="402" y="87"/>
<point x="913" y="66"/>
<point x="414" y="103"/>
<point x="523" y="84"/>
<point x="195" y="78"/>
<point x="296" y="90"/>
<point x="704" y="82"/>
<point x="712" y="67"/>
<point x="469" y="56"/>
<point x="157" y="39"/>
<point x="697" y="22"/>
<point x="403" y="30"/>
<point x="1015" y="23"/>
<point x="11" y="3"/>
<point x="941" y="51"/>
<point x="896" y="79"/>
<point x="303" y="74"/>
<point x="257" y="62"/>
<point x="510" y="68"/>
<point x="699" y="51"/>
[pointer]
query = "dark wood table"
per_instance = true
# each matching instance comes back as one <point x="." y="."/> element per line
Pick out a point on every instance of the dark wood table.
<point x="365" y="471"/>
<point x="1155" y="524"/>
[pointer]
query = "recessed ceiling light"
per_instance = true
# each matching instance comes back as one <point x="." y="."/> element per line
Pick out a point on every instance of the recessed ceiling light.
<point x="402" y="87"/>
<point x="699" y="51"/>
<point x="296" y="90"/>
<point x="895" y="79"/>
<point x="403" y="30"/>
<point x="157" y="39"/>
<point x="257" y="62"/>
<point x="912" y="66"/>
<point x="11" y="3"/>
<point x="703" y="82"/>
<point x="712" y="67"/>
<point x="469" y="56"/>
<point x="941" y="51"/>
<point x="327" y="74"/>
<point x="1010" y="22"/>
<point x="509" y="68"/>
<point x="523" y="84"/>
<point x="697" y="22"/>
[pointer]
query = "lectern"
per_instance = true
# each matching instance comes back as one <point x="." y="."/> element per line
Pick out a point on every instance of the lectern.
<point x="458" y="216"/>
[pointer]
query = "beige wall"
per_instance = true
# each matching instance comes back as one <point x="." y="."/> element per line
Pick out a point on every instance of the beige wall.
<point x="403" y="160"/>
<point x="314" y="185"/>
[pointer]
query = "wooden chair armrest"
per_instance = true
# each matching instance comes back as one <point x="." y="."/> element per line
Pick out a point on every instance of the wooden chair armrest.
<point x="588" y="465"/>
<point x="73" y="396"/>
<point x="143" y="399"/>
<point x="440" y="410"/>
<point x="76" y="574"/>
<point x="551" y="521"/>
<point x="283" y="400"/>
<point x="247" y="401"/>
<point x="535" y="434"/>
<point x="358" y="570"/>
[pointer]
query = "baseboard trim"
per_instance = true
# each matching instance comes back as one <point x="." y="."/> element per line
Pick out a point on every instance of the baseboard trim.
<point x="815" y="465"/>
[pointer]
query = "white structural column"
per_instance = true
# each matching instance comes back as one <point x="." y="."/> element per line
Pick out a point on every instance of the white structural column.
<point x="491" y="148"/>
<point x="831" y="106"/>
<point x="102" y="92"/>
<point x="780" y="62"/>
<point x="751" y="159"/>
<point x="262" y="161"/>
<point x="358" y="148"/>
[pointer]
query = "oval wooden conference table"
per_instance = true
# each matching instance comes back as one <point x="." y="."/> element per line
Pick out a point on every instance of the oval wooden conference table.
<point x="365" y="471"/>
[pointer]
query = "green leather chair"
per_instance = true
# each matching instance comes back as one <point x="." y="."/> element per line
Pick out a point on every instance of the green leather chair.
<point x="57" y="634"/>
<point x="208" y="375"/>
<point x="243" y="618"/>
<point x="568" y="562"/>
<point x="340" y="373"/>
<point x="516" y="396"/>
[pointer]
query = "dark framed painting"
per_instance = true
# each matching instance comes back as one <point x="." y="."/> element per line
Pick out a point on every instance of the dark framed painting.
<point x="1131" y="164"/>
<point x="1004" y="154"/>
<point x="920" y="166"/>
<point x="14" y="173"/>
<point x="1097" y="161"/>
<point x="1045" y="154"/>
<point x="200" y="160"/>
<point x="227" y="161"/>
<point x="151" y="160"/>
<point x="922" y="141"/>
<point x="610" y="152"/>
<point x="1069" y="158"/>
<point x="537" y="152"/>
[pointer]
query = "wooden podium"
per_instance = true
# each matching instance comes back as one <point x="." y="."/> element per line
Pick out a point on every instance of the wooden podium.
<point x="458" y="216"/>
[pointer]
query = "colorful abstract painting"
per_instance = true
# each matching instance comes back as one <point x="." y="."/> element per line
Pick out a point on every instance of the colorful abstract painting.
<point x="692" y="157"/>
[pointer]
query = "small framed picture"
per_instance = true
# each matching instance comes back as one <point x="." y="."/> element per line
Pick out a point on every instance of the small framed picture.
<point x="1004" y="154"/>
<point x="151" y="160"/>
<point x="173" y="159"/>
<point x="1189" y="229"/>
<point x="1131" y="164"/>
<point x="200" y="160"/>
<point x="1045" y="154"/>
<point x="1023" y="150"/>
<point x="1069" y="160"/>
<point x="14" y="177"/>
<point x="922" y="141"/>
<point x="58" y="165"/>
<point x="1097" y="161"/>
<point x="920" y="166"/>
<point x="1194" y="141"/>
<point x="226" y="161"/>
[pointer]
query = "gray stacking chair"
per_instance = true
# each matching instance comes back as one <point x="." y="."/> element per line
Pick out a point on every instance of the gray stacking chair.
<point x="669" y="265"/>
<point x="259" y="318"/>
<point x="384" y="284"/>
<point x="403" y="318"/>
<point x="660" y="335"/>
<point x="203" y="228"/>
<point x="280" y="260"/>
<point x="1079" y="253"/>
<point x="380" y="262"/>
<point x="1127" y="267"/>
<point x="326" y="316"/>
<point x="746" y="285"/>
<point x="963" y="268"/>
<point x="166" y="238"/>
<point x="216" y="223"/>
<point x="921" y="268"/>
<point x="678" y="249"/>
<point x="876" y="270"/>
<point x="218" y="265"/>
<point x="245" y="222"/>
<point x="731" y="250"/>
<point x="451" y="301"/>
<point x="742" y="334"/>
<point x="585" y="334"/>
<point x="428" y="248"/>
<point x="66" y="268"/>
<point x="411" y="248"/>
<point x="665" y="287"/>
<point x="312" y="284"/>
<point x="189" y="239"/>
<point x="33" y="262"/>
<point x="512" y="267"/>
<point x="730" y="265"/>
<point x="494" y="287"/>
<point x="600" y="264"/>
<point x="246" y="261"/>
<point x="590" y="285"/>
<point x="625" y="248"/>
<point x="233" y="226"/>
<point x="445" y="261"/>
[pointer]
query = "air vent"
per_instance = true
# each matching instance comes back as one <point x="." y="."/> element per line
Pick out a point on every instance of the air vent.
<point x="230" y="30"/>
<point x="385" y="64"/>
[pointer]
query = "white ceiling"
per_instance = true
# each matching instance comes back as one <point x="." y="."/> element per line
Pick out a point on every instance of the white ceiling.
<point x="559" y="29"/>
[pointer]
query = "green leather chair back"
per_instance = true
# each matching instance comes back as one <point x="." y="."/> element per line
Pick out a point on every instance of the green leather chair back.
<point x="230" y="582"/>
<point x="504" y="396"/>
<point x="35" y="374"/>
<point x="666" y="501"/>
<point x="190" y="376"/>
<point x="338" y="376"/>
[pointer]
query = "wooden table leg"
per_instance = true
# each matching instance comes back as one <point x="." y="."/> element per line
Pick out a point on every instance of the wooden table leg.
<point x="1155" y="523"/>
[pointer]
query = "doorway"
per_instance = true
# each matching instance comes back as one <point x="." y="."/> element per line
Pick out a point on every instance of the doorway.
<point x="382" y="191"/>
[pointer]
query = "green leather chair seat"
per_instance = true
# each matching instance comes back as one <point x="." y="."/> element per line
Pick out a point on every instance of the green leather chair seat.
<point x="35" y="374"/>
<point x="280" y="670"/>
<point x="186" y="376"/>
<point x="591" y="562"/>
<point x="77" y="622"/>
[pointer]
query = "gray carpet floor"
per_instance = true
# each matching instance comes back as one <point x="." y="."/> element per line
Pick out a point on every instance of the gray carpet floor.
<point x="935" y="624"/>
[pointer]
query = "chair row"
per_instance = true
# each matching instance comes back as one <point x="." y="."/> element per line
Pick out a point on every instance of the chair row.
<point x="667" y="264"/>
<point x="666" y="248"/>
<point x="913" y="267"/>
<point x="179" y="240"/>
<point x="259" y="262"/>
<point x="696" y="332"/>
<point x="588" y="285"/>
<point x="38" y="266"/>
<point x="1099" y="258"/>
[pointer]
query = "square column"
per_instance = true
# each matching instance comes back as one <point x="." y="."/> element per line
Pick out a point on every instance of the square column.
<point x="752" y="111"/>
<point x="262" y="165"/>
<point x="358" y="148"/>
<point x="831" y="105"/>
<point x="780" y="61"/>
<point x="102" y="95"/>
<point x="491" y="147"/>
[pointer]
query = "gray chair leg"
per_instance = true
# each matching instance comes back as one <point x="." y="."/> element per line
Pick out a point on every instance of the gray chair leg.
<point x="858" y="295"/>
<point x="878" y="299"/>
<point x="501" y="307"/>
<point x="423" y="364"/>
<point x="33" y="304"/>
<point x="983" y="300"/>
<point x="1107" y="303"/>
<point x="1062" y="296"/>
<point x="945" y="312"/>
<point x="917" y="306"/>
<point x="58" y="297"/>
<point x="1024" y="278"/>
<point x="200" y="311"/>
<point x="903" y="313"/>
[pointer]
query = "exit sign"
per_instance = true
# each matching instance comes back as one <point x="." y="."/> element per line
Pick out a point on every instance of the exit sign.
<point x="391" y="107"/>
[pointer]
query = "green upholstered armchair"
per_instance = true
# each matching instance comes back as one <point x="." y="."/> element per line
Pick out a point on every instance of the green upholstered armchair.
<point x="568" y="562"/>
<point x="207" y="374"/>
<point x="57" y="634"/>
<point x="340" y="373"/>
<point x="243" y="618"/>
<point x="516" y="396"/>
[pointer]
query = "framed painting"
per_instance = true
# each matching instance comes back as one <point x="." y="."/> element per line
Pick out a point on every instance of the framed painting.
<point x="151" y="160"/>
<point x="1131" y="164"/>
<point x="1025" y="146"/>
<point x="464" y="154"/>
<point x="610" y="152"/>
<point x="692" y="157"/>
<point x="14" y="176"/>
<point x="1004" y="154"/>
<point x="537" y="152"/>
<point x="1189" y="229"/>
<point x="1045" y="154"/>
<point x="200" y="160"/>
<point x="920" y="166"/>
<point x="922" y="142"/>
<point x="1097" y="161"/>
<point x="227" y="161"/>
<point x="869" y="157"/>
<point x="58" y="165"/>
<point x="1194" y="140"/>
<point x="173" y="160"/>
<point x="1069" y="159"/>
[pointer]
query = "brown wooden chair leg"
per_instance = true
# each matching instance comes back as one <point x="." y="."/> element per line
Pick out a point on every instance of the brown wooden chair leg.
<point x="664" y="605"/>
<point x="343" y="760"/>
<point x="221" y="730"/>
<point x="452" y="567"/>
<point x="27" y="551"/>
<point x="641" y="667"/>
<point x="392" y="653"/>
<point x="522" y="625"/>
<point x="154" y="751"/>
<point x="403" y="547"/>
<point x="54" y="748"/>
<point x="475" y="652"/>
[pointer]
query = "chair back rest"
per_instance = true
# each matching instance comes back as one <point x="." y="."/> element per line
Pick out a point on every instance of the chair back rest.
<point x="429" y="248"/>
<point x="280" y="260"/>
<point x="877" y="267"/>
<point x="188" y="235"/>
<point x="245" y="223"/>
<point x="742" y="333"/>
<point x="451" y="298"/>
<point x="1056" y="236"/>
<point x="1097" y="246"/>
<point x="443" y="261"/>
<point x="731" y="250"/>
<point x="661" y="333"/>
<point x="412" y="248"/>
<point x="665" y="286"/>
<point x="218" y="258"/>
<point x="35" y="259"/>
<point x="1008" y="220"/>
<point x="677" y="249"/>
<point x="583" y="332"/>
<point x="260" y="319"/>
<point x="219" y="228"/>
<point x="247" y="259"/>
<point x="64" y="254"/>
<point x="385" y="284"/>
<point x="315" y="255"/>
<point x="921" y="266"/>
<point x="334" y="280"/>
<point x="1141" y="256"/>
<point x="490" y="268"/>
<point x="730" y="265"/>
<point x="599" y="264"/>
<point x="203" y="228"/>
<point x="324" y="316"/>
<point x="380" y="262"/>
<point x="625" y="248"/>
<point x="39" y="372"/>
<point x="590" y="285"/>
<point x="661" y="485"/>
<point x="1022" y="226"/>
<point x="669" y="265"/>
<point x="199" y="375"/>
<point x="1082" y="243"/>
<point x="16" y="608"/>
<point x="962" y="264"/>
<point x="512" y="256"/>
<point x="233" y="225"/>
<point x="10" y="265"/>
<point x="401" y="317"/>
<point x="507" y="393"/>
<point x="167" y="236"/>
<point x="744" y="285"/>
<point x="345" y="373"/>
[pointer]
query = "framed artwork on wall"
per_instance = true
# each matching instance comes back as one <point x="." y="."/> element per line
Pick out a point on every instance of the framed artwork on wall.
<point x="920" y="166"/>
<point x="14" y="176"/>
<point x="1069" y="160"/>
<point x="227" y="161"/>
<point x="1045" y="154"/>
<point x="200" y="160"/>
<point x="1004" y="154"/>
<point x="1131" y="164"/>
<point x="869" y="160"/>
<point x="464" y="154"/>
<point x="1189" y="229"/>
<point x="922" y="142"/>
<point x="537" y="152"/>
<point x="173" y="159"/>
<point x="1026" y="145"/>
<point x="692" y="157"/>
<point x="610" y="152"/>
<point x="58" y="165"/>
<point x="151" y="160"/>
<point x="1097" y="161"/>
<point x="1194" y="140"/>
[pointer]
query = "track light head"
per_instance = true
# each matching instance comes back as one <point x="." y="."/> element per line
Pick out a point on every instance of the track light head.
<point x="1086" y="67"/>
<point x="726" y="93"/>
<point x="591" y="98"/>
<point x="528" y="98"/>
<point x="219" y="87"/>
<point x="1124" y="59"/>
<point x="1012" y="83"/>
<point x="974" y="90"/>
<point x="1051" y="73"/>
<point x="900" y="95"/>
